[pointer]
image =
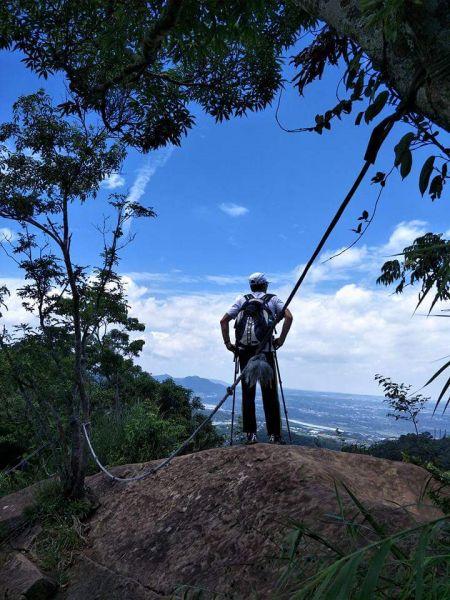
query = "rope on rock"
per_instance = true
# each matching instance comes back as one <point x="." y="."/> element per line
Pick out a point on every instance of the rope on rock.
<point x="167" y="460"/>
<point x="22" y="462"/>
<point x="377" y="138"/>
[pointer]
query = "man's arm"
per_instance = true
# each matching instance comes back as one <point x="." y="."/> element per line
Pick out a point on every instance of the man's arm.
<point x="288" y="318"/>
<point x="225" y="326"/>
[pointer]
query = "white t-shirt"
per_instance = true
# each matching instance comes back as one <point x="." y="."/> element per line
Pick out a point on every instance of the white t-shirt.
<point x="275" y="304"/>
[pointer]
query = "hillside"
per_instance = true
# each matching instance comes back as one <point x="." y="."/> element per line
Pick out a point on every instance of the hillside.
<point x="199" y="385"/>
<point x="216" y="519"/>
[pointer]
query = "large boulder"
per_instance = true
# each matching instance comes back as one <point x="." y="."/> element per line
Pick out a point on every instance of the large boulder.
<point x="21" y="579"/>
<point x="216" y="519"/>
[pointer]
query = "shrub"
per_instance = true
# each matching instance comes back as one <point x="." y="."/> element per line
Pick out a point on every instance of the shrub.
<point x="422" y="448"/>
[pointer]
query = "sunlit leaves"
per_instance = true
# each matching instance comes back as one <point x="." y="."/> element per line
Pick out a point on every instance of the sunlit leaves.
<point x="405" y="406"/>
<point x="426" y="261"/>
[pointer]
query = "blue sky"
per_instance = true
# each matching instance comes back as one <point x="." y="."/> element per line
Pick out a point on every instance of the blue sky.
<point x="243" y="196"/>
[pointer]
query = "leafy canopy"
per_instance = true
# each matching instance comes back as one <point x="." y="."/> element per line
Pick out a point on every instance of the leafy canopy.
<point x="142" y="65"/>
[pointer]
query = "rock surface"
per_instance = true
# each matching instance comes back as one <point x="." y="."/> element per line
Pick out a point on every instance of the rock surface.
<point x="13" y="506"/>
<point x="216" y="519"/>
<point x="20" y="578"/>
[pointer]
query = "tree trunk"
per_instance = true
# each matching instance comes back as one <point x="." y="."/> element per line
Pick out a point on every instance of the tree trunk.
<point x="74" y="481"/>
<point x="74" y="487"/>
<point x="421" y="43"/>
<point x="117" y="402"/>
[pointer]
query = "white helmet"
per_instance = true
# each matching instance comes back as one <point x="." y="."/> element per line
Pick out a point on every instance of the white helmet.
<point x="257" y="279"/>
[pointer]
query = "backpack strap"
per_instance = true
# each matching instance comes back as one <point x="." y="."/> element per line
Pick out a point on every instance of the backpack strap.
<point x="266" y="299"/>
<point x="247" y="297"/>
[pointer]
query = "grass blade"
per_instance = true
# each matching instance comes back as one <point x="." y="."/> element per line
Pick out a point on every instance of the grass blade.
<point x="419" y="559"/>
<point x="438" y="372"/>
<point x="345" y="580"/>
<point x="441" y="395"/>
<point x="370" y="582"/>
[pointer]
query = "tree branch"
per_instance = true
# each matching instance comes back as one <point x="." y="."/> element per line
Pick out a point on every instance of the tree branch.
<point x="421" y="43"/>
<point x="151" y="44"/>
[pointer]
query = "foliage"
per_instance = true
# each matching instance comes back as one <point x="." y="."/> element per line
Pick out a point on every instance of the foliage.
<point x="152" y="425"/>
<point x="154" y="418"/>
<point x="48" y="164"/>
<point x="390" y="14"/>
<point x="405" y="406"/>
<point x="17" y="480"/>
<point x="364" y="84"/>
<point x="422" y="449"/>
<point x="140" y="434"/>
<point x="438" y="487"/>
<point x="142" y="66"/>
<point x="426" y="261"/>
<point x="411" y="563"/>
<point x="61" y="527"/>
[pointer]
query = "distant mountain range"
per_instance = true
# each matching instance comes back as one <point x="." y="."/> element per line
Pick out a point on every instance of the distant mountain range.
<point x="204" y="388"/>
<point x="326" y="417"/>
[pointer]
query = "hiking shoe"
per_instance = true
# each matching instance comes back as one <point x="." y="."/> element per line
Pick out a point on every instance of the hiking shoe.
<point x="276" y="439"/>
<point x="251" y="439"/>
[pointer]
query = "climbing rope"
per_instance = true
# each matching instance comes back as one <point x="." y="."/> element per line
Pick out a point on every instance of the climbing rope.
<point x="22" y="462"/>
<point x="167" y="460"/>
<point x="376" y="140"/>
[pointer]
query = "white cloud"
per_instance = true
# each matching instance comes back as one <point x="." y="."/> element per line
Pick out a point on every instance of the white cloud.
<point x="7" y="234"/>
<point x="15" y="313"/>
<point x="342" y="334"/>
<point x="233" y="210"/>
<point x="114" y="181"/>
<point x="403" y="235"/>
<point x="227" y="279"/>
<point x="338" y="342"/>
<point x="155" y="161"/>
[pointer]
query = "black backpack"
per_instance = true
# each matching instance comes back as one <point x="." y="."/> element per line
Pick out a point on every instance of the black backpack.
<point x="253" y="321"/>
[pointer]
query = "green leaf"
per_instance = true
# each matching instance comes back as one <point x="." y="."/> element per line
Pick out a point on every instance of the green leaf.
<point x="377" y="106"/>
<point x="406" y="163"/>
<point x="436" y="187"/>
<point x="359" y="85"/>
<point x="402" y="146"/>
<point x="425" y="174"/>
<point x="373" y="572"/>
<point x="441" y="395"/>
<point x="419" y="562"/>
<point x="445" y="366"/>
<point x="345" y="580"/>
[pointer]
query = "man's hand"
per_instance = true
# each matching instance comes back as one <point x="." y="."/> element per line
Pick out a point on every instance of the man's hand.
<point x="288" y="318"/>
<point x="231" y="347"/>
<point x="277" y="343"/>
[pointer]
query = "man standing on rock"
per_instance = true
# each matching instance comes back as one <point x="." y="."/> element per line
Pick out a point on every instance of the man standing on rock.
<point x="254" y="314"/>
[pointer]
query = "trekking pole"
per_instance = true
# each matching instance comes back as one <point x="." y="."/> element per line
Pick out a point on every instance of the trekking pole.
<point x="236" y="368"/>
<point x="282" y="394"/>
